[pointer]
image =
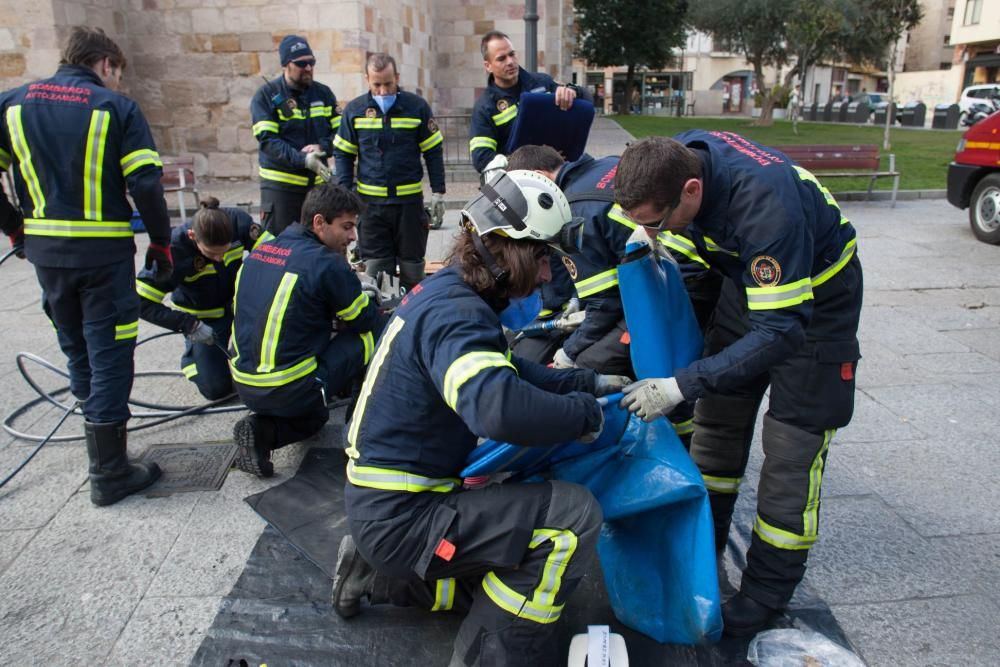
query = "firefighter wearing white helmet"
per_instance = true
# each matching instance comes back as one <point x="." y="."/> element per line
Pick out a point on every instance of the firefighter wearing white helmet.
<point x="510" y="554"/>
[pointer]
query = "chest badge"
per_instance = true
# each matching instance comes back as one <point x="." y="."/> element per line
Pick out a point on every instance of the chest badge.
<point x="370" y="112"/>
<point x="570" y="267"/>
<point x="200" y="263"/>
<point x="502" y="105"/>
<point x="292" y="104"/>
<point x="765" y="270"/>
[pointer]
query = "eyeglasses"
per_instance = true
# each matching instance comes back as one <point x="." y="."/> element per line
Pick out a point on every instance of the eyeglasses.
<point x="302" y="64"/>
<point x="660" y="224"/>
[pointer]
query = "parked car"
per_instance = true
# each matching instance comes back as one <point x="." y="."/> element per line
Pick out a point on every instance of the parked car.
<point x="978" y="93"/>
<point x="974" y="178"/>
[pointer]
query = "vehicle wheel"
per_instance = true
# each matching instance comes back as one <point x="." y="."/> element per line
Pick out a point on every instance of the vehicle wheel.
<point x="984" y="209"/>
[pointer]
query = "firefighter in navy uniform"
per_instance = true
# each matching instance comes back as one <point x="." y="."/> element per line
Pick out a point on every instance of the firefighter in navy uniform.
<point x="387" y="130"/>
<point x="788" y="318"/>
<point x="294" y="119"/>
<point x="74" y="145"/>
<point x="304" y="329"/>
<point x="208" y="254"/>
<point x="443" y="376"/>
<point x="496" y="108"/>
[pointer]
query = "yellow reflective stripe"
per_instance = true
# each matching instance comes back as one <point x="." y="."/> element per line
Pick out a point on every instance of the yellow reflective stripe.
<point x="353" y="310"/>
<point x="232" y="331"/>
<point x="147" y="291"/>
<point x="810" y="515"/>
<point x="409" y="189"/>
<point x="398" y="480"/>
<point x="274" y="378"/>
<point x="833" y="269"/>
<point x="712" y="246"/>
<point x="4" y="159"/>
<point x="467" y="367"/>
<point x="190" y="370"/>
<point x="482" y="142"/>
<point x="207" y="271"/>
<point x="617" y="213"/>
<point x="368" y="340"/>
<point x="779" y="296"/>
<point x="385" y="343"/>
<point x="275" y="318"/>
<point x="283" y="177"/>
<point x="262" y="126"/>
<point x="297" y="114"/>
<point x="93" y="166"/>
<point x="264" y="237"/>
<point x="782" y="539"/>
<point x="599" y="283"/>
<point x="335" y="123"/>
<point x="345" y="145"/>
<point x="564" y="544"/>
<point x="208" y="314"/>
<point x="372" y="190"/>
<point x="19" y="143"/>
<point x="516" y="604"/>
<point x="505" y="116"/>
<point x="806" y="175"/>
<point x="320" y="111"/>
<point x="722" y="484"/>
<point x="76" y="228"/>
<point x="404" y="123"/>
<point x="545" y="312"/>
<point x="431" y="141"/>
<point x="444" y="594"/>
<point x="126" y="331"/>
<point x="681" y="244"/>
<point x="233" y="254"/>
<point x="367" y="123"/>
<point x="683" y="427"/>
<point x="139" y="158"/>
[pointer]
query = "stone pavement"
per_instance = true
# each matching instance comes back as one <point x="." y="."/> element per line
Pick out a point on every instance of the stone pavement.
<point x="908" y="559"/>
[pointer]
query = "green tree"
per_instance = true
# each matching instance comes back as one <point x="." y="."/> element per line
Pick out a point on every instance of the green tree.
<point x="630" y="33"/>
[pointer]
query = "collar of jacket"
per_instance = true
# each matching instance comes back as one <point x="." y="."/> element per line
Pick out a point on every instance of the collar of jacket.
<point x="525" y="81"/>
<point x="714" y="188"/>
<point x="571" y="170"/>
<point x="80" y="72"/>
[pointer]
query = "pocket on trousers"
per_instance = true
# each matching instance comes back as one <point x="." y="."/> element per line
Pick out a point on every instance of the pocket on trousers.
<point x="834" y="381"/>
<point x="440" y="522"/>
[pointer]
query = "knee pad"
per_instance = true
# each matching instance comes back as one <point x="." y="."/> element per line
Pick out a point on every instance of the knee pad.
<point x="790" y="479"/>
<point x="574" y="508"/>
<point x="410" y="273"/>
<point x="373" y="267"/>
<point x="723" y="431"/>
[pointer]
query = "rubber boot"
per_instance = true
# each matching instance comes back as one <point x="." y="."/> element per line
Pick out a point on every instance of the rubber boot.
<point x="254" y="438"/>
<point x="387" y="265"/>
<point x="112" y="475"/>
<point x="353" y="581"/>
<point x="410" y="273"/>
<point x="742" y="616"/>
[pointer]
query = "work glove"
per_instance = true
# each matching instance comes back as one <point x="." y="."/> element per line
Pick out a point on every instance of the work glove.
<point x="437" y="210"/>
<point x="572" y="306"/>
<point x="17" y="242"/>
<point x="571" y="322"/>
<point x="370" y="287"/>
<point x="201" y="333"/>
<point x="494" y="167"/>
<point x="562" y="360"/>
<point x="652" y="398"/>
<point x="160" y="261"/>
<point x="610" y="384"/>
<point x="588" y="438"/>
<point x="314" y="162"/>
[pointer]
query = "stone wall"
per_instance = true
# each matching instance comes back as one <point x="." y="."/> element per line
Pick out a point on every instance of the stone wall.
<point x="194" y="65"/>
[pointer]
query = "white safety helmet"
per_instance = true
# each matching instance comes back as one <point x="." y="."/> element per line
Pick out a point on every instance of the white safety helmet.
<point x="525" y="205"/>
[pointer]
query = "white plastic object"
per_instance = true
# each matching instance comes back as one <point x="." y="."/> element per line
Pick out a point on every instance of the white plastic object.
<point x="598" y="648"/>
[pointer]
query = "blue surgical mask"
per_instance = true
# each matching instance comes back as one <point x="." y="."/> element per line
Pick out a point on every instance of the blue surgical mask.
<point x="522" y="311"/>
<point x="384" y="102"/>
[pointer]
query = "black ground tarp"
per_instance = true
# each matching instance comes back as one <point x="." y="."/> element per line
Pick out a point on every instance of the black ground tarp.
<point x="279" y="611"/>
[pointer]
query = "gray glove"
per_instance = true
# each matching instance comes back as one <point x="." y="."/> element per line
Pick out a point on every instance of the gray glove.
<point x="562" y="360"/>
<point x="370" y="287"/>
<point x="314" y="162"/>
<point x="570" y="323"/>
<point x="610" y="384"/>
<point x="588" y="438"/>
<point x="202" y="333"/>
<point x="652" y="398"/>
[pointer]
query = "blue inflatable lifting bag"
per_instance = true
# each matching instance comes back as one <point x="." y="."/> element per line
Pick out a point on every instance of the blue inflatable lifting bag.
<point x="540" y="122"/>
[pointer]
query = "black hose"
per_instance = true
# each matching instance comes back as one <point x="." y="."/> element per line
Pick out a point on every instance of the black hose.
<point x="40" y="445"/>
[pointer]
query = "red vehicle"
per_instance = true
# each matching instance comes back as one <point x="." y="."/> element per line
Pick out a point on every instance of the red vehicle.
<point x="974" y="178"/>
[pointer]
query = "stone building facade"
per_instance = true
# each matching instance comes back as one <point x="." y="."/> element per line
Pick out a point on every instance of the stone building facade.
<point x="195" y="64"/>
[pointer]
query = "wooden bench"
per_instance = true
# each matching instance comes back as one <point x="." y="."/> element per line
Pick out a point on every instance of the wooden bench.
<point x="859" y="161"/>
<point x="179" y="177"/>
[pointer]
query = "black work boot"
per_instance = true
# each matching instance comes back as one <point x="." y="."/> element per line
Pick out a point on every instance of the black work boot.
<point x="112" y="475"/>
<point x="253" y="453"/>
<point x="742" y="616"/>
<point x="354" y="580"/>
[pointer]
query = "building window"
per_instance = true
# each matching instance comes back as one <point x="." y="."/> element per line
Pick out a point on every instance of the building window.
<point x="945" y="66"/>
<point x="947" y="40"/>
<point x="973" y="9"/>
<point x="951" y="13"/>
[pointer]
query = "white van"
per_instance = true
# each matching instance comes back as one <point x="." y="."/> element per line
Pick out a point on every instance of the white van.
<point x="977" y="93"/>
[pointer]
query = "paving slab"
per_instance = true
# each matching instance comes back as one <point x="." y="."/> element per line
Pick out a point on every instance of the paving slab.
<point x="168" y="628"/>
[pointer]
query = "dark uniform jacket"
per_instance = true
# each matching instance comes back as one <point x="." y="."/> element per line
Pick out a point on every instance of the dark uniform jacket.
<point x="442" y="377"/>
<point x="73" y="147"/>
<point x="290" y="293"/>
<point x="301" y="118"/>
<point x="200" y="289"/>
<point x="388" y="149"/>
<point x="770" y="226"/>
<point x="495" y="111"/>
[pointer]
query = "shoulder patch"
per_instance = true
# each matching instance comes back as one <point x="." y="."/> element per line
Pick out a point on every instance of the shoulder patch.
<point x="432" y="126"/>
<point x="570" y="267"/>
<point x="255" y="230"/>
<point x="199" y="263"/>
<point x="502" y="105"/>
<point x="765" y="270"/>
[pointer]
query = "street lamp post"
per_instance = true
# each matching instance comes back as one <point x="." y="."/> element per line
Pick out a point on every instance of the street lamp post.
<point x="531" y="35"/>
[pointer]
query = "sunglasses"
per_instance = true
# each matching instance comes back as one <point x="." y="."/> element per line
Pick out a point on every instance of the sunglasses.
<point x="660" y="224"/>
<point x="302" y="64"/>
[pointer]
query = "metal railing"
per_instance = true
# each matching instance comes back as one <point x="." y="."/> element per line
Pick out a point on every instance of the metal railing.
<point x="455" y="129"/>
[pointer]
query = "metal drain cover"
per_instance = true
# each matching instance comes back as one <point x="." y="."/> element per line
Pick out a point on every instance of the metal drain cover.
<point x="190" y="467"/>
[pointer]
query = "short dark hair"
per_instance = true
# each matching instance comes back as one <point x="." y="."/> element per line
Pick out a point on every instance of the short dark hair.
<point x="329" y="200"/>
<point x="88" y="46"/>
<point x="484" y="45"/>
<point x="535" y="158"/>
<point x="517" y="256"/>
<point x="654" y="170"/>
<point x="212" y="226"/>
<point x="377" y="62"/>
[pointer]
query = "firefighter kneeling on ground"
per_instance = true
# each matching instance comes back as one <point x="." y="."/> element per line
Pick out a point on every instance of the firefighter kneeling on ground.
<point x="509" y="554"/>
<point x="304" y="328"/>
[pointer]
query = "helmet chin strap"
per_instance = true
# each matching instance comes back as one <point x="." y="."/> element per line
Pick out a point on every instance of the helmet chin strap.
<point x="500" y="276"/>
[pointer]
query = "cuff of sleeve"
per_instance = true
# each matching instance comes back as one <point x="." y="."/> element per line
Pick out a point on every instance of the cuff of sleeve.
<point x="688" y="384"/>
